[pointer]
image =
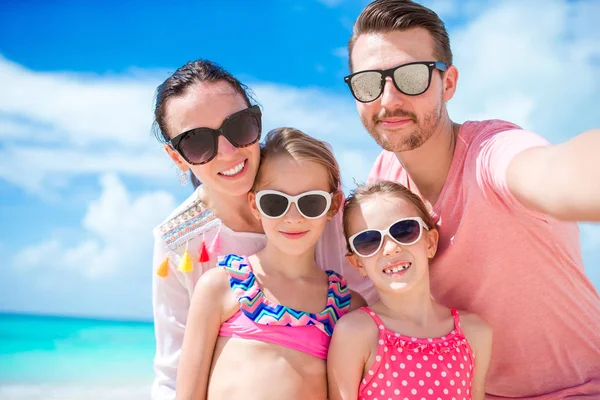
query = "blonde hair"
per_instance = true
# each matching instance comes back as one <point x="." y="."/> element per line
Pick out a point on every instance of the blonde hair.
<point x="300" y="146"/>
<point x="387" y="188"/>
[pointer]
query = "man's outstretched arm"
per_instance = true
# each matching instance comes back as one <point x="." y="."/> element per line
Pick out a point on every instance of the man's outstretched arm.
<point x="560" y="180"/>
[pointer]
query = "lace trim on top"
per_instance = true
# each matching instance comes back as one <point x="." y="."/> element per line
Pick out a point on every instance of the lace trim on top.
<point x="439" y="345"/>
<point x="442" y="345"/>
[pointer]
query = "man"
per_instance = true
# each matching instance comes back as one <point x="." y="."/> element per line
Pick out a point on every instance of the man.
<point x="504" y="201"/>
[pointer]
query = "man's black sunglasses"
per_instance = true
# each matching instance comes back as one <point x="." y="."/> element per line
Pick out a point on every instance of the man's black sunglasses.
<point x="412" y="79"/>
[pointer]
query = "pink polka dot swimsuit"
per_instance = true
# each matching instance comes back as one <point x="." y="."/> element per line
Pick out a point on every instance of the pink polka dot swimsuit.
<point x="419" y="368"/>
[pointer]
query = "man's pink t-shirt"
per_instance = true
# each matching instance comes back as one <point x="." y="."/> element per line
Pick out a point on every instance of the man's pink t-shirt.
<point x="520" y="270"/>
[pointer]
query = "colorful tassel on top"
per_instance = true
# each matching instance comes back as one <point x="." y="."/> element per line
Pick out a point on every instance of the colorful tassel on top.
<point x="204" y="256"/>
<point x="215" y="246"/>
<point x="185" y="265"/>
<point x="163" y="270"/>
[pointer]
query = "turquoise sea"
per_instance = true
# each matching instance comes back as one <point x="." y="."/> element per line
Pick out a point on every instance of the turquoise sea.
<point x="73" y="358"/>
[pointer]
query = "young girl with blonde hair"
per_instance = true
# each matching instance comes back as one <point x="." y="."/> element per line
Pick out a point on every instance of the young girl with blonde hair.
<point x="259" y="326"/>
<point x="406" y="345"/>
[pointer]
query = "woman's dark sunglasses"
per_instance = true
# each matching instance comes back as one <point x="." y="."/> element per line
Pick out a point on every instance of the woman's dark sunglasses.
<point x="200" y="145"/>
<point x="412" y="79"/>
<point x="405" y="231"/>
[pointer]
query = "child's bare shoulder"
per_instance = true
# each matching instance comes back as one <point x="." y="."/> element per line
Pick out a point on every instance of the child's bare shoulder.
<point x="214" y="279"/>
<point x="213" y="287"/>
<point x="357" y="323"/>
<point x="477" y="330"/>
<point x="473" y="322"/>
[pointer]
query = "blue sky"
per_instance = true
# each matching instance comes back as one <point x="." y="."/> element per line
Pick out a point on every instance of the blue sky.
<point x="82" y="180"/>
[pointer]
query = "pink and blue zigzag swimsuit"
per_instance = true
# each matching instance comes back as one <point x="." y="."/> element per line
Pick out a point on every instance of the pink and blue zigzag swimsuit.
<point x="261" y="319"/>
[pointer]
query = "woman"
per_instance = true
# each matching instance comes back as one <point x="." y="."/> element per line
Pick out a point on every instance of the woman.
<point x="210" y="126"/>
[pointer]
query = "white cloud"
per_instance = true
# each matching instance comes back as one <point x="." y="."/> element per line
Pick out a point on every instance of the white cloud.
<point x="16" y="129"/>
<point x="537" y="69"/>
<point x="84" y="109"/>
<point x="36" y="254"/>
<point x="116" y="236"/>
<point x="41" y="169"/>
<point x="56" y="126"/>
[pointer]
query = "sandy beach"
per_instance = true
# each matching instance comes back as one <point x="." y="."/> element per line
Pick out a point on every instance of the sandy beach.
<point x="74" y="392"/>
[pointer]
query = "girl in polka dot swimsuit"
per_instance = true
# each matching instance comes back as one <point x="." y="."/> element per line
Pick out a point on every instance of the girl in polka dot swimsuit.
<point x="406" y="345"/>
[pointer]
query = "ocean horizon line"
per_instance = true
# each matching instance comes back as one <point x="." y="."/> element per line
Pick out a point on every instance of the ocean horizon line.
<point x="25" y="314"/>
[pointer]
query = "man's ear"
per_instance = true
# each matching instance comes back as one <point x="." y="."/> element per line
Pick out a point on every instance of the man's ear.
<point x="176" y="157"/>
<point x="450" y="80"/>
<point x="355" y="262"/>
<point x="336" y="204"/>
<point x="253" y="207"/>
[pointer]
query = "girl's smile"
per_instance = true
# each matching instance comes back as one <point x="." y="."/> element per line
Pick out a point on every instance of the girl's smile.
<point x="394" y="266"/>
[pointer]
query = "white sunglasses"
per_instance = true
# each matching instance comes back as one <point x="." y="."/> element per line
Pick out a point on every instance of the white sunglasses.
<point x="311" y="205"/>
<point x="405" y="231"/>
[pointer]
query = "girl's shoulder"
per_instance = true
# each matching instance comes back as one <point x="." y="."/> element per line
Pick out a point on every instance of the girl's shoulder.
<point x="477" y="330"/>
<point x="214" y="279"/>
<point x="190" y="219"/>
<point x="213" y="290"/>
<point x="358" y="324"/>
<point x="473" y="323"/>
<point x="213" y="284"/>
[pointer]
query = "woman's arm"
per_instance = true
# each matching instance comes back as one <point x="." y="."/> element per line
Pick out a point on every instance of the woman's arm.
<point x="349" y="351"/>
<point x="211" y="301"/>
<point x="479" y="335"/>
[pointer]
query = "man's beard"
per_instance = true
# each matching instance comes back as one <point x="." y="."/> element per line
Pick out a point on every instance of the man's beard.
<point x="409" y="140"/>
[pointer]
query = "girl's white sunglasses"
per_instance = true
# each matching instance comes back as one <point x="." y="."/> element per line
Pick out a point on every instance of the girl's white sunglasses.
<point x="405" y="231"/>
<point x="311" y="205"/>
